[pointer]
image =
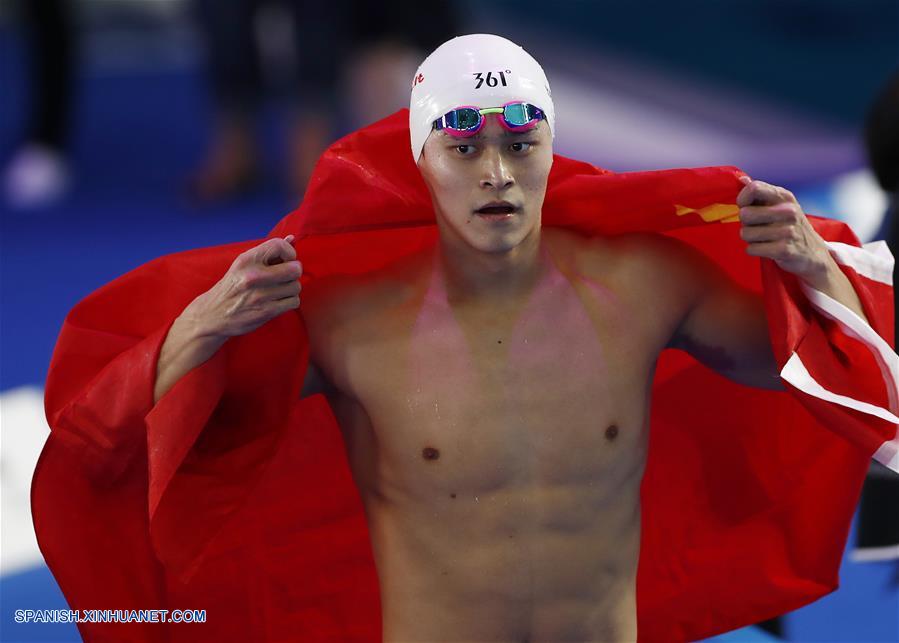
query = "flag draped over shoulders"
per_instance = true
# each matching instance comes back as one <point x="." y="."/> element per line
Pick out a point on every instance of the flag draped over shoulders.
<point x="234" y="496"/>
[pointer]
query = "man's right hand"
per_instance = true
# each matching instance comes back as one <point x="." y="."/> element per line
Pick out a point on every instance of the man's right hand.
<point x="261" y="284"/>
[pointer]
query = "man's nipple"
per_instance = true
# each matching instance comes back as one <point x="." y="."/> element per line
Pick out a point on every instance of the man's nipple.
<point x="611" y="432"/>
<point x="430" y="453"/>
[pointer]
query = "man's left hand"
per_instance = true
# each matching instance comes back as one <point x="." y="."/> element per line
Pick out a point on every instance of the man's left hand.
<point x="775" y="227"/>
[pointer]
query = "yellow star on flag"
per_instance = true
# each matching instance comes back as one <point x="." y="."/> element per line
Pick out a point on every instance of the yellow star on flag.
<point x="723" y="212"/>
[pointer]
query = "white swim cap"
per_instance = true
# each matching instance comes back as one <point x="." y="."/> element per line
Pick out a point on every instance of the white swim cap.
<point x="481" y="70"/>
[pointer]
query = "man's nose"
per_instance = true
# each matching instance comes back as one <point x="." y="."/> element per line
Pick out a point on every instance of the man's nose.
<point x="495" y="172"/>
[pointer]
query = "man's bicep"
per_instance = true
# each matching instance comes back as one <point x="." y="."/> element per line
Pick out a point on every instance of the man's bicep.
<point x="725" y="328"/>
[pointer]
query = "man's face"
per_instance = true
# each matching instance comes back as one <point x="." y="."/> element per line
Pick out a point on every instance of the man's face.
<point x="466" y="174"/>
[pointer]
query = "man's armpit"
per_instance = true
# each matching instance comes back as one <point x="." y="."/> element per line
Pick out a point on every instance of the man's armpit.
<point x="724" y="325"/>
<point x="315" y="382"/>
<point x="715" y="357"/>
<point x="727" y="330"/>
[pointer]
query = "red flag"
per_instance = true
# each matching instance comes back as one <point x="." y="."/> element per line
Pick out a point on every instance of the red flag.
<point x="233" y="496"/>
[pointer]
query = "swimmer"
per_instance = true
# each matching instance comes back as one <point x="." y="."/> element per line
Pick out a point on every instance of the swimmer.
<point x="494" y="390"/>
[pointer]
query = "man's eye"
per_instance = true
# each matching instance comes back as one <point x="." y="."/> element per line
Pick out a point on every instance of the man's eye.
<point x="465" y="150"/>
<point x="520" y="147"/>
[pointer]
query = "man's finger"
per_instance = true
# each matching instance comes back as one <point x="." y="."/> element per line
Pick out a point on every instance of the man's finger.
<point x="284" y="272"/>
<point x="762" y="214"/>
<point x="763" y="233"/>
<point x="258" y="276"/>
<point x="275" y="251"/>
<point x="759" y="193"/>
<point x="767" y="249"/>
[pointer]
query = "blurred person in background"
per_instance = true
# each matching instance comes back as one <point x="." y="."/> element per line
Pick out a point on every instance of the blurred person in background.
<point x="375" y="48"/>
<point x="389" y="43"/>
<point x="237" y="82"/>
<point x="38" y="172"/>
<point x="877" y="538"/>
<point x="882" y="145"/>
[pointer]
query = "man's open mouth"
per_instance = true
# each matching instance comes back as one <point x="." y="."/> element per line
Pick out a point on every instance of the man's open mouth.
<point x="506" y="208"/>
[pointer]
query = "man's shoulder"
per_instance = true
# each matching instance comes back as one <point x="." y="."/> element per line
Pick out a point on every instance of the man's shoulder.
<point x="342" y="298"/>
<point x="345" y="310"/>
<point x="656" y="253"/>
<point x="651" y="265"/>
<point x="633" y="252"/>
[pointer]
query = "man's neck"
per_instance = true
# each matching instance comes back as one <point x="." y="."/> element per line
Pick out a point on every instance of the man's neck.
<point x="472" y="276"/>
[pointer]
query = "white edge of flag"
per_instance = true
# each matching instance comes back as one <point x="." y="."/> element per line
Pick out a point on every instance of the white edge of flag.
<point x="873" y="261"/>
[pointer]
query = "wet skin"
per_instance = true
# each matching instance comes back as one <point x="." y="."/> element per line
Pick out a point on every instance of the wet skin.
<point x="493" y="393"/>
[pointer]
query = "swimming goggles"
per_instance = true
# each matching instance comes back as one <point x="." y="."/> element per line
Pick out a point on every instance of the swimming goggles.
<point x="468" y="120"/>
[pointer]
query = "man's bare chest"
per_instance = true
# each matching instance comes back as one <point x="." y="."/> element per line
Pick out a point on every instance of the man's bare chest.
<point x="553" y="391"/>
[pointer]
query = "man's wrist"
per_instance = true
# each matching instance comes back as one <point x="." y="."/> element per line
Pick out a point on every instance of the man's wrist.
<point x="833" y="282"/>
<point x="825" y="276"/>
<point x="193" y="337"/>
<point x="188" y="342"/>
<point x="196" y="326"/>
<point x="181" y="351"/>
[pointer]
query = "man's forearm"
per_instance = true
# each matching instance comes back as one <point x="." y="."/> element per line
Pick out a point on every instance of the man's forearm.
<point x="835" y="284"/>
<point x="184" y="349"/>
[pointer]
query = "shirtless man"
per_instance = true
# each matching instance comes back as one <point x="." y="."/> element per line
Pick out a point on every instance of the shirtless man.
<point x="494" y="390"/>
